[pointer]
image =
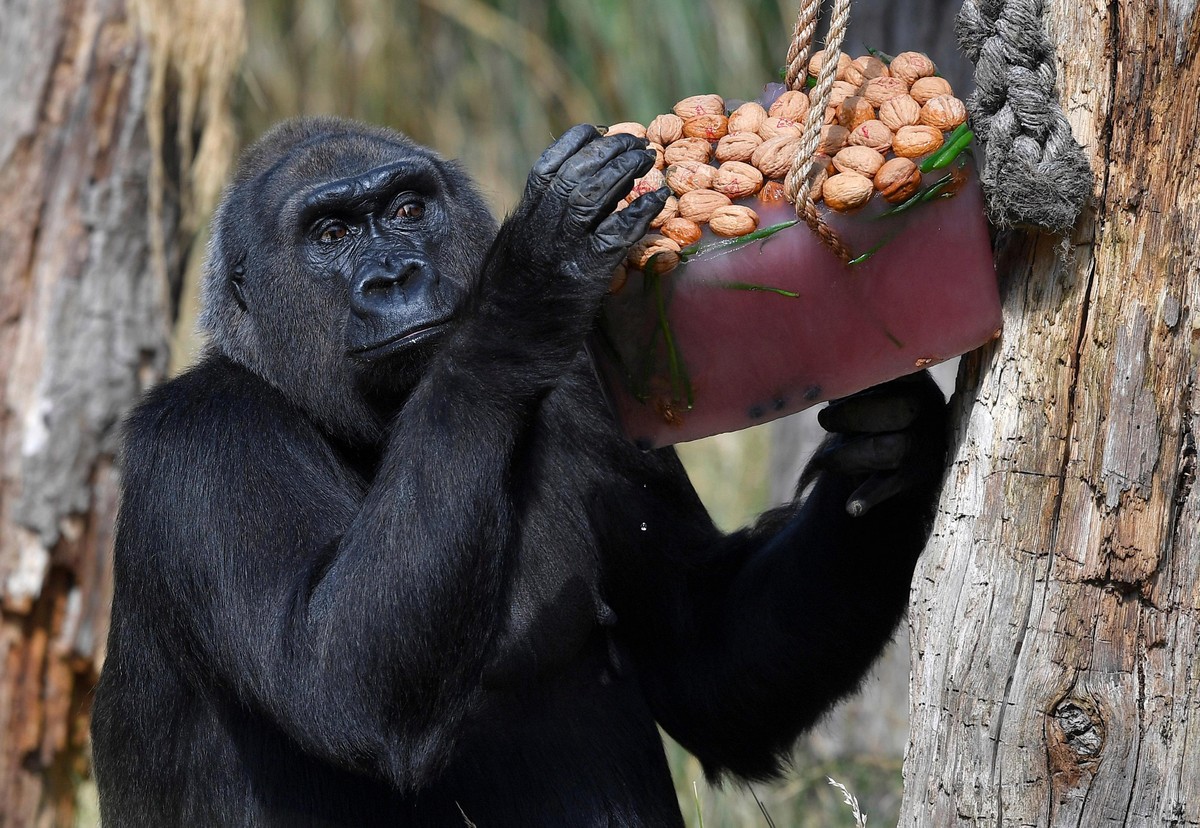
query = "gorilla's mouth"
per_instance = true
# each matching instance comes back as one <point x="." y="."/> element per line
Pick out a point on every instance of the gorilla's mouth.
<point x="401" y="341"/>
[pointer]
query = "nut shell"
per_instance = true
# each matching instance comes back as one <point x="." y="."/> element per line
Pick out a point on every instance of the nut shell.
<point x="688" y="149"/>
<point x="911" y="67"/>
<point x="774" y="157"/>
<point x="915" y="141"/>
<point x="864" y="69"/>
<point x="669" y="211"/>
<point x="837" y="93"/>
<point x="697" y="105"/>
<point x="847" y="191"/>
<point x="627" y="128"/>
<point x="774" y="127"/>
<point x="772" y="192"/>
<point x="737" y="179"/>
<point x="747" y="118"/>
<point x="708" y="127"/>
<point x="924" y="90"/>
<point x="698" y="205"/>
<point x="732" y="221"/>
<point x="873" y="134"/>
<point x="682" y="231"/>
<point x="665" y="128"/>
<point x="833" y="138"/>
<point x="854" y="111"/>
<point x="660" y="155"/>
<point x="900" y="111"/>
<point x="944" y="112"/>
<point x="880" y="90"/>
<point x="663" y="251"/>
<point x="737" y="146"/>
<point x="792" y="105"/>
<point x="648" y="183"/>
<point x="862" y="160"/>
<point x="898" y="179"/>
<point x="817" y="60"/>
<point x="686" y="176"/>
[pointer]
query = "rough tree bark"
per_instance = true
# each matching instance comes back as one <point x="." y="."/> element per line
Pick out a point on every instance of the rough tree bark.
<point x="112" y="134"/>
<point x="1056" y="615"/>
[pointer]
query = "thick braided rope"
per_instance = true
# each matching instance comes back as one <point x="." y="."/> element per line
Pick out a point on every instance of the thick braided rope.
<point x="1034" y="172"/>
<point x="799" y="175"/>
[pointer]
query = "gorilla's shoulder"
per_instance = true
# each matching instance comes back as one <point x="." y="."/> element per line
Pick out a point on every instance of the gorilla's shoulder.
<point x="209" y="401"/>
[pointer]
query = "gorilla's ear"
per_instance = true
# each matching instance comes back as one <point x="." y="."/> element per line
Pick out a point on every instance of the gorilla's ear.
<point x="222" y="297"/>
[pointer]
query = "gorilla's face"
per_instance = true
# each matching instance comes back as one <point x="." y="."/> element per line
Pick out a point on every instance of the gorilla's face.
<point x="342" y="254"/>
<point x="379" y="235"/>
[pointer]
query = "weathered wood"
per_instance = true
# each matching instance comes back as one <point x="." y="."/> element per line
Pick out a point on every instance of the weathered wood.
<point x="1056" y="615"/>
<point x="102" y="101"/>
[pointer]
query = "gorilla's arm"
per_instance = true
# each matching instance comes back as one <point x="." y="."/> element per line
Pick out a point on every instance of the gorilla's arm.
<point x="358" y="617"/>
<point x="744" y="641"/>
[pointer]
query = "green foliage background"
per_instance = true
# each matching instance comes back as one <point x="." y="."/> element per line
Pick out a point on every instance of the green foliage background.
<point x="491" y="83"/>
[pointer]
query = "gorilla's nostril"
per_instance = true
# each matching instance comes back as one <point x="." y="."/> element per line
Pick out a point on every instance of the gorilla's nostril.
<point x="382" y="284"/>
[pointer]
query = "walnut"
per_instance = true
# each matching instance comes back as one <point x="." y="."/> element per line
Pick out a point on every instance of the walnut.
<point x="688" y="149"/>
<point x="862" y="160"/>
<point x="698" y="205"/>
<point x="847" y="191"/>
<point x="737" y="179"/>
<point x="627" y="128"/>
<point x="774" y="157"/>
<point x="864" y="69"/>
<point x="737" y="146"/>
<point x="792" y="105"/>
<point x="686" y="176"/>
<point x="880" y="90"/>
<point x="747" y="118"/>
<point x="898" y="180"/>
<point x="669" y="211"/>
<point x="708" y="127"/>
<point x="854" y="111"/>
<point x="682" y="231"/>
<point x="654" y="254"/>
<point x="900" y="111"/>
<point x="732" y="221"/>
<point x="925" y="89"/>
<point x="664" y="129"/>
<point x="833" y="138"/>
<point x="698" y="105"/>
<point x="915" y="141"/>
<point x="944" y="112"/>
<point x="774" y="127"/>
<point x="911" y="67"/>
<point x="872" y="134"/>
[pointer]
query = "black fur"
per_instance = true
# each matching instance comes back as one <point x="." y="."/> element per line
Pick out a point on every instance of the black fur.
<point x="366" y="582"/>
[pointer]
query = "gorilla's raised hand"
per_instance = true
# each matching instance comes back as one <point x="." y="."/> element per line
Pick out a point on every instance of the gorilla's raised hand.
<point x="892" y="434"/>
<point x="564" y="229"/>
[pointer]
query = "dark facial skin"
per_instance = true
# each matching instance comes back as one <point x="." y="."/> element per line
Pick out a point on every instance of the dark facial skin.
<point x="374" y="231"/>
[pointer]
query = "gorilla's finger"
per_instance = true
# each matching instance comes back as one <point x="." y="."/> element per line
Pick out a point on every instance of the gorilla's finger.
<point x="569" y="143"/>
<point x="616" y="233"/>
<point x="876" y="409"/>
<point x="596" y="198"/>
<point x="877" y="488"/>
<point x="867" y="453"/>
<point x="589" y="160"/>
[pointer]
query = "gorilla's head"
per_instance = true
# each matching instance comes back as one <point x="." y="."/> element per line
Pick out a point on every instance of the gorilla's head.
<point x="341" y="255"/>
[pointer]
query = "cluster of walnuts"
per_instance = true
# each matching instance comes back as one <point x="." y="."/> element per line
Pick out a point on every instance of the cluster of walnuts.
<point x="880" y="120"/>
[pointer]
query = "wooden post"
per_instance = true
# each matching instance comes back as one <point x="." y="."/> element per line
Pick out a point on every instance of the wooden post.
<point x="112" y="130"/>
<point x="1056" y="614"/>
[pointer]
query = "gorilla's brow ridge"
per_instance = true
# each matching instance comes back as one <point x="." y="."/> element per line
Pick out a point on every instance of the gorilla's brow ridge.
<point x="371" y="188"/>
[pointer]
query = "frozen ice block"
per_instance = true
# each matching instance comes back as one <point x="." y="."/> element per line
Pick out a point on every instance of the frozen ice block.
<point x="736" y="337"/>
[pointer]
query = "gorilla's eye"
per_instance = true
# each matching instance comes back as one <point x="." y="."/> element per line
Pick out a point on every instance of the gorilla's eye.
<point x="411" y="210"/>
<point x="333" y="231"/>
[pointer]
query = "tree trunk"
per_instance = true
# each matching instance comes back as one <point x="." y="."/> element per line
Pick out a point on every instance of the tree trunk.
<point x="111" y="134"/>
<point x="1056" y="614"/>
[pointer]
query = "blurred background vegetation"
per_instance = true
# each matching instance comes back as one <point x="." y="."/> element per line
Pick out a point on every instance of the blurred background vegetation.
<point x="491" y="83"/>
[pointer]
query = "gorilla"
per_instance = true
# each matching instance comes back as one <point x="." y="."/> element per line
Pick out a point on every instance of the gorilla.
<point x="383" y="557"/>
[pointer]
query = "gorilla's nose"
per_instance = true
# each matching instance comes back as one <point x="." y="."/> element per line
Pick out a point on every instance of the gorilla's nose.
<point x="382" y="285"/>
